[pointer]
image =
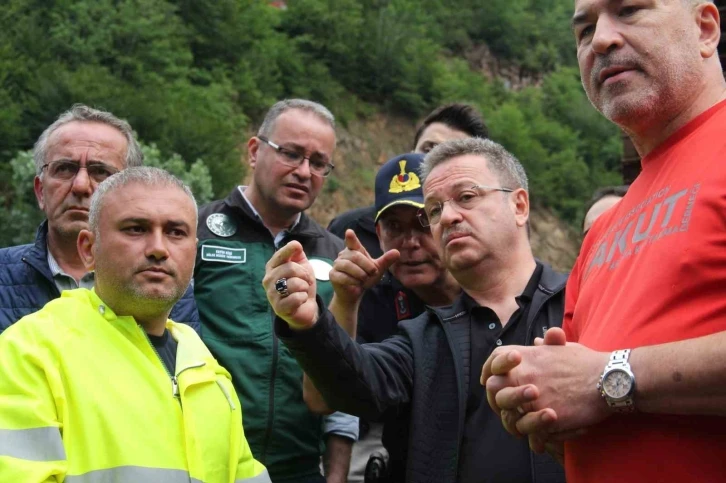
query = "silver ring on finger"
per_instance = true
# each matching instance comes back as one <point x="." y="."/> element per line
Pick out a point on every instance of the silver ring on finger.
<point x="281" y="287"/>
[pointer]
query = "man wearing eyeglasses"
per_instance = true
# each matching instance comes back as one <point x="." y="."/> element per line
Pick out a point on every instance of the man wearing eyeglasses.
<point x="83" y="147"/>
<point x="476" y="203"/>
<point x="290" y="156"/>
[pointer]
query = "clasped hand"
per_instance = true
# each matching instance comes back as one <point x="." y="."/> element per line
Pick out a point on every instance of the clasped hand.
<point x="547" y="392"/>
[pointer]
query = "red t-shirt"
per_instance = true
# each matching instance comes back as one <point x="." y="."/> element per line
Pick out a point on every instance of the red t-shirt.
<point x="653" y="270"/>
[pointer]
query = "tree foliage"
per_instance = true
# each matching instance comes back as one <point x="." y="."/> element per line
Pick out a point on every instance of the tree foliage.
<point x="192" y="76"/>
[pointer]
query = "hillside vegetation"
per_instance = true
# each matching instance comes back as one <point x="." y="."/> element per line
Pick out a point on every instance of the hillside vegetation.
<point x="194" y="77"/>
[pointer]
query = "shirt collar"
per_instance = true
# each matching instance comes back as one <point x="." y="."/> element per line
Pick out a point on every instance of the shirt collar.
<point x="280" y="236"/>
<point x="55" y="269"/>
<point x="526" y="296"/>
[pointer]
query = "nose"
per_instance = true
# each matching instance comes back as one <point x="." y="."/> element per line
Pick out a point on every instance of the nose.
<point x="156" y="245"/>
<point x="81" y="186"/>
<point x="606" y="36"/>
<point x="411" y="238"/>
<point x="450" y="215"/>
<point x="303" y="170"/>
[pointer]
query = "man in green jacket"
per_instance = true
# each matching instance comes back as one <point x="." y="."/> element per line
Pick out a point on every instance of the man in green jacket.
<point x="290" y="156"/>
<point x="99" y="385"/>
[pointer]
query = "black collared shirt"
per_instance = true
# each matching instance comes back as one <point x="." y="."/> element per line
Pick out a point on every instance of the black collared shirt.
<point x="489" y="454"/>
<point x="165" y="346"/>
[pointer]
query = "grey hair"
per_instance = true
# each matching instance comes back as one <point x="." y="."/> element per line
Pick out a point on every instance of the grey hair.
<point x="500" y="161"/>
<point x="144" y="175"/>
<point x="83" y="113"/>
<point x="268" y="124"/>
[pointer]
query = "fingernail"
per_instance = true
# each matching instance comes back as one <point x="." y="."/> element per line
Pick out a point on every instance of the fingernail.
<point x="529" y="393"/>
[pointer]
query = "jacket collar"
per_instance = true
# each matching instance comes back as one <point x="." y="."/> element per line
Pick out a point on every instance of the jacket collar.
<point x="191" y="351"/>
<point x="37" y="255"/>
<point x="305" y="228"/>
<point x="550" y="283"/>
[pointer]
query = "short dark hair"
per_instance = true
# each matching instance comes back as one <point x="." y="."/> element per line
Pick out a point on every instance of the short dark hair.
<point x="459" y="116"/>
<point x="601" y="193"/>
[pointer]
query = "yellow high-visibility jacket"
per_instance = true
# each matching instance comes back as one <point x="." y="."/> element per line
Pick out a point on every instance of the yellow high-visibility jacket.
<point x="85" y="398"/>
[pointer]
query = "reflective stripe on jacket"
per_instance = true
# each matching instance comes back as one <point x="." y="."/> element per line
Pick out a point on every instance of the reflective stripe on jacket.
<point x="85" y="398"/>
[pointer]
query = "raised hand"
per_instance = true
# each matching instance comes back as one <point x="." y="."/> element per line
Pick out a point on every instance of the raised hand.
<point x="289" y="282"/>
<point x="355" y="270"/>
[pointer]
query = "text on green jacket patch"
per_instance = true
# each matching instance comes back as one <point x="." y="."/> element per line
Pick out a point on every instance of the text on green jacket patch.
<point x="213" y="253"/>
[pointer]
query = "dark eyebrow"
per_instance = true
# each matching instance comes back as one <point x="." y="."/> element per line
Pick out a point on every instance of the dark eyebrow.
<point x="178" y="224"/>
<point x="146" y="221"/>
<point x="315" y="154"/>
<point x="88" y="161"/>
<point x="458" y="186"/>
<point x="578" y="19"/>
<point x="138" y="221"/>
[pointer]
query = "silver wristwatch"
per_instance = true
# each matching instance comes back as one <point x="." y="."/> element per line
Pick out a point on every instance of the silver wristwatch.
<point x="617" y="382"/>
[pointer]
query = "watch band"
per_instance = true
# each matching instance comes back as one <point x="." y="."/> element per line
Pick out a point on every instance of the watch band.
<point x="619" y="360"/>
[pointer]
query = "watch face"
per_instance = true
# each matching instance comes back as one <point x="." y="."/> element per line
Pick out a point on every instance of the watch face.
<point x="617" y="384"/>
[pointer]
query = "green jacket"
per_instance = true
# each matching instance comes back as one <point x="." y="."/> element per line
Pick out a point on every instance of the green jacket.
<point x="237" y="326"/>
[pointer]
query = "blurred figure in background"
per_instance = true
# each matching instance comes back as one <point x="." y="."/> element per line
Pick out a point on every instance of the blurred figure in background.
<point x="602" y="200"/>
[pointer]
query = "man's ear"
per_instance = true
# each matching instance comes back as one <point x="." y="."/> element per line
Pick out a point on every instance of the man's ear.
<point x="85" y="244"/>
<point x="253" y="145"/>
<point x="707" y="17"/>
<point x="520" y="202"/>
<point x="38" y="189"/>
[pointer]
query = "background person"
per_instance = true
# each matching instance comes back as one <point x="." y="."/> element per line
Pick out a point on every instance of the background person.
<point x="602" y="200"/>
<point x="83" y="147"/>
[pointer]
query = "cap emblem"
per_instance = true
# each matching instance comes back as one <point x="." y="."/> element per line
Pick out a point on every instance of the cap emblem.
<point x="404" y="181"/>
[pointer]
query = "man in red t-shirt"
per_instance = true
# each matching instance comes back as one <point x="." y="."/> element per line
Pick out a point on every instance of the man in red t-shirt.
<point x="635" y="385"/>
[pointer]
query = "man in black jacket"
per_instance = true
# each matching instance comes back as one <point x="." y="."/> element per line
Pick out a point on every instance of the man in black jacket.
<point x="477" y="205"/>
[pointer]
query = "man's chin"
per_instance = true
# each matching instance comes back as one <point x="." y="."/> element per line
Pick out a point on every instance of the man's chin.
<point x="158" y="296"/>
<point x="414" y="277"/>
<point x="461" y="262"/>
<point x="70" y="227"/>
<point x="294" y="205"/>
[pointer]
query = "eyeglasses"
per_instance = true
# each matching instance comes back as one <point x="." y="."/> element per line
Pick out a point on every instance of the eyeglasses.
<point x="466" y="199"/>
<point x="66" y="170"/>
<point x="319" y="165"/>
<point x="393" y="230"/>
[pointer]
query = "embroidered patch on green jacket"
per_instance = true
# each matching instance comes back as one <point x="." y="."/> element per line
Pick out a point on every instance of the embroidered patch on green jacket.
<point x="213" y="253"/>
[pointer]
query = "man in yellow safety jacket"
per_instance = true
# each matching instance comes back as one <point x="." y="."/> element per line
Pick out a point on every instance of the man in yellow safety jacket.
<point x="99" y="386"/>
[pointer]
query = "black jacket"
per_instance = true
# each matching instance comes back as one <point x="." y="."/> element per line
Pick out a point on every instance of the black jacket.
<point x="419" y="369"/>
